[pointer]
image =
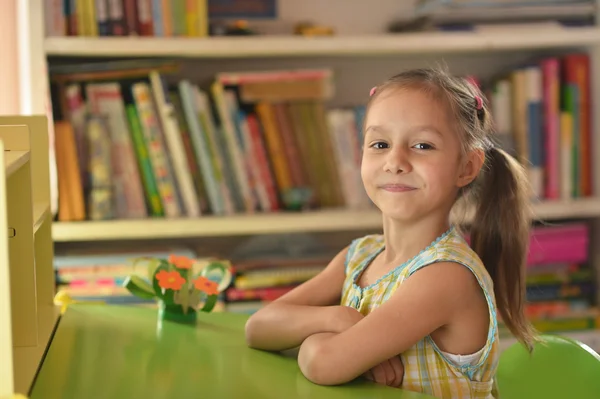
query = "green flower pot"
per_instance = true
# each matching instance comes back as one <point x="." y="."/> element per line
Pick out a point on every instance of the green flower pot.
<point x="175" y="313"/>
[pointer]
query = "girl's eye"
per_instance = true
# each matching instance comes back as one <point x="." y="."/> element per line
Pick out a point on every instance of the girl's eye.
<point x="423" y="146"/>
<point x="380" y="145"/>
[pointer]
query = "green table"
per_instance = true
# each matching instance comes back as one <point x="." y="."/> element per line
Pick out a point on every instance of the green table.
<point x="114" y="352"/>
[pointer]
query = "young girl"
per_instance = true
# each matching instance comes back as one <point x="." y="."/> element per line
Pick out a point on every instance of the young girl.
<point x="417" y="306"/>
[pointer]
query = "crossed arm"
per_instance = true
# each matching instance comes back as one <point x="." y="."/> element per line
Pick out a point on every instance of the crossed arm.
<point x="421" y="305"/>
<point x="336" y="343"/>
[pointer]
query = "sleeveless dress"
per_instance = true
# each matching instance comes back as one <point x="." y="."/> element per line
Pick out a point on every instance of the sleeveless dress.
<point x="427" y="369"/>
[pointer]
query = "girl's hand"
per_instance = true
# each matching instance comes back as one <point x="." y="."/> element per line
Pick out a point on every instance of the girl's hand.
<point x="390" y="373"/>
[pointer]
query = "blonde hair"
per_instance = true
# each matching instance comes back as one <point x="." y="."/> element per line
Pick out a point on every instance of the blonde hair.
<point x="500" y="229"/>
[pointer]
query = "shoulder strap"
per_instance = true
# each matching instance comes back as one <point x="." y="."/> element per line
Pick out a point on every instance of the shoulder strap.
<point x="359" y="249"/>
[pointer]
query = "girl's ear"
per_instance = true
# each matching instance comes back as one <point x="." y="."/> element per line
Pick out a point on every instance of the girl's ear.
<point x="471" y="167"/>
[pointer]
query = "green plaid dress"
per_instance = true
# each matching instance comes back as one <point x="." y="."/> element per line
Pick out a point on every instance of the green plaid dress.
<point x="426" y="368"/>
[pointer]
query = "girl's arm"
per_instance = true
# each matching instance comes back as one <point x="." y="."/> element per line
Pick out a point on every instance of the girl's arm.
<point x="428" y="300"/>
<point x="306" y="310"/>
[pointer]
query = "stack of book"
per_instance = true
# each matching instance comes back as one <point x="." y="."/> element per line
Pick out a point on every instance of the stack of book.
<point x="467" y="14"/>
<point x="561" y="288"/>
<point x="160" y="18"/>
<point x="250" y="142"/>
<point x="542" y="115"/>
<point x="126" y="18"/>
<point x="259" y="282"/>
<point x="98" y="275"/>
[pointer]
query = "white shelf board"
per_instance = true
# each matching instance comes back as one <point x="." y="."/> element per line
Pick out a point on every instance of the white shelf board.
<point x="13" y="160"/>
<point x="272" y="223"/>
<point x="298" y="46"/>
<point x="566" y="209"/>
<point x="260" y="223"/>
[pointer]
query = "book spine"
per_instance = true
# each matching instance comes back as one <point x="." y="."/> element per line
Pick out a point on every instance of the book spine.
<point x="533" y="78"/>
<point x="191" y="18"/>
<point x="175" y="145"/>
<point x="178" y="17"/>
<point x="148" y="180"/>
<point x="233" y="145"/>
<point x="157" y="18"/>
<point x="274" y="147"/>
<point x="105" y="99"/>
<point x="551" y="76"/>
<point x="102" y="20"/>
<point x="144" y="18"/>
<point x="192" y="160"/>
<point x="55" y="18"/>
<point x="116" y="17"/>
<point x="167" y="17"/>
<point x="100" y="196"/>
<point x="201" y="147"/>
<point x="243" y="140"/>
<point x="576" y="73"/>
<point x="259" y="186"/>
<point x="130" y="16"/>
<point x="71" y="17"/>
<point x="217" y="147"/>
<point x="262" y="158"/>
<point x="156" y="149"/>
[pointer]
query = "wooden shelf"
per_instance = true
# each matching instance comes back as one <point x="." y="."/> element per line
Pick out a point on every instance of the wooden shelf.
<point x="298" y="46"/>
<point x="570" y="209"/>
<point x="13" y="160"/>
<point x="27" y="358"/>
<point x="272" y="223"/>
<point x="260" y="223"/>
<point x="39" y="213"/>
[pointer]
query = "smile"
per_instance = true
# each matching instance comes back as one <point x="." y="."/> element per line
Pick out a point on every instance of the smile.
<point x="397" y="188"/>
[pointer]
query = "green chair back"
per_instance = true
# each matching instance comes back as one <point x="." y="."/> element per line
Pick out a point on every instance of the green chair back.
<point x="559" y="367"/>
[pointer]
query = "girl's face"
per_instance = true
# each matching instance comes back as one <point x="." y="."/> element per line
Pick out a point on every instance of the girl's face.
<point x="412" y="163"/>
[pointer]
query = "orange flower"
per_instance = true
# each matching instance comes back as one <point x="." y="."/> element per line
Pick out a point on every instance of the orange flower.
<point x="170" y="280"/>
<point x="207" y="286"/>
<point x="181" y="262"/>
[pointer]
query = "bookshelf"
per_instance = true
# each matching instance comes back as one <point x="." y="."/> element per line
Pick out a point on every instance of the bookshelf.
<point x="359" y="59"/>
<point x="215" y="226"/>
<point x="28" y="314"/>
<point x="272" y="223"/>
<point x="298" y="46"/>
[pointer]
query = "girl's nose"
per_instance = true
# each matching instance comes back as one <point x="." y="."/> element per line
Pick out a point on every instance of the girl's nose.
<point x="397" y="161"/>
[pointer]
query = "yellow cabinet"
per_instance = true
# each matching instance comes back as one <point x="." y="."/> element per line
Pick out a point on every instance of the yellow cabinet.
<point x="27" y="312"/>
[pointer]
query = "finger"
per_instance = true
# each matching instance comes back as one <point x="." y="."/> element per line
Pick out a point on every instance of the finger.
<point x="379" y="374"/>
<point x="389" y="372"/>
<point x="398" y="367"/>
<point x="369" y="375"/>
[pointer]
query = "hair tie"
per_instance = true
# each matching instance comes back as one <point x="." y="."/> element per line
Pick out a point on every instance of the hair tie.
<point x="372" y="91"/>
<point x="478" y="102"/>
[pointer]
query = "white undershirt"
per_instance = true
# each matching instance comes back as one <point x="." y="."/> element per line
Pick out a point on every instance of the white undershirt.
<point x="464" y="360"/>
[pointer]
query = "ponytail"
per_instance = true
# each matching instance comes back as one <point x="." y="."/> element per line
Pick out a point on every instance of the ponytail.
<point x="500" y="236"/>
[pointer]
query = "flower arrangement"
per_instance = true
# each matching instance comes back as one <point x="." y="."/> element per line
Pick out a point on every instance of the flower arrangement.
<point x="182" y="286"/>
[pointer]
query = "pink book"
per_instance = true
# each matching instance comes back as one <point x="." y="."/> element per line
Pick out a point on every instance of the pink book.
<point x="260" y="154"/>
<point x="551" y="103"/>
<point x="557" y="244"/>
